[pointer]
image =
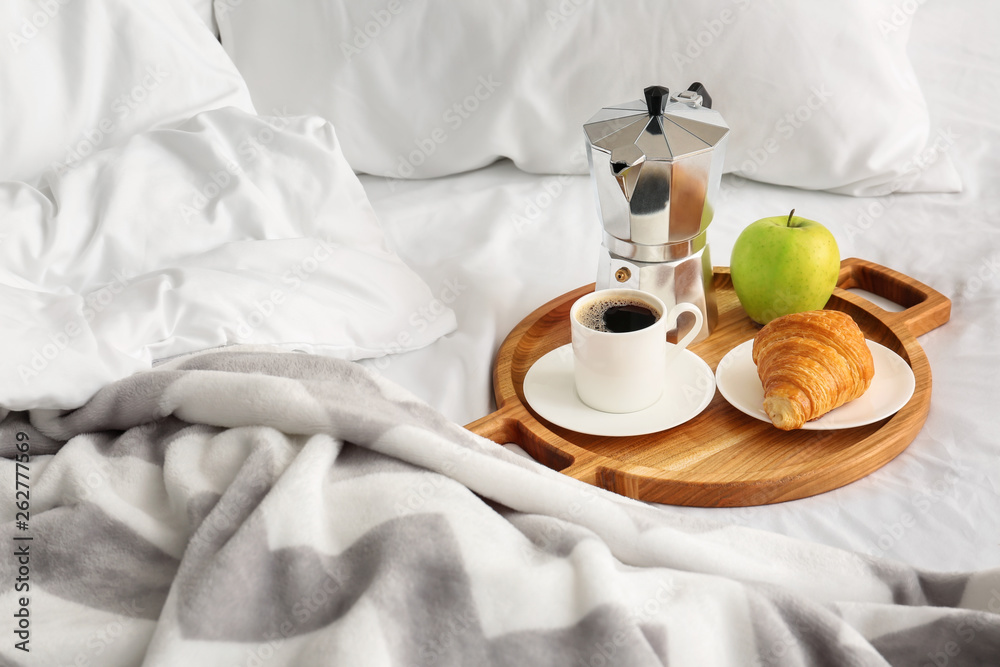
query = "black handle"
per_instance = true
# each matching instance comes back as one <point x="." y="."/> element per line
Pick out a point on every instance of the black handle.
<point x="706" y="99"/>
<point x="654" y="99"/>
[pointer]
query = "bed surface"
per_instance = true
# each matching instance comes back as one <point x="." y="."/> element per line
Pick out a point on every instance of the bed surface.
<point x="497" y="243"/>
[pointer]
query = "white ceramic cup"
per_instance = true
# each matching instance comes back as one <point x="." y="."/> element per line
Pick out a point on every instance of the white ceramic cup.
<point x="626" y="371"/>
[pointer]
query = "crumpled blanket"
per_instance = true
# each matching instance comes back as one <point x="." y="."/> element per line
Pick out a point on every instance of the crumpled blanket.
<point x="253" y="507"/>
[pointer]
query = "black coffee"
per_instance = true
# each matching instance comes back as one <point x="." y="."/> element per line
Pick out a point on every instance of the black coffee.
<point x="621" y="319"/>
<point x="618" y="314"/>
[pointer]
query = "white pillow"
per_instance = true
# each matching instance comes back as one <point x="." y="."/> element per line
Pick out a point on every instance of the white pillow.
<point x="79" y="76"/>
<point x="818" y="95"/>
<point x="230" y="228"/>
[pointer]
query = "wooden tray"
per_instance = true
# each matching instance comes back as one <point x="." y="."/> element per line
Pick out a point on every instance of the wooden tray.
<point x="722" y="457"/>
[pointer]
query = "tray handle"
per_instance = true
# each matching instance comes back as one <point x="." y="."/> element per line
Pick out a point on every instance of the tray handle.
<point x="508" y="425"/>
<point x="925" y="308"/>
<point x="501" y="427"/>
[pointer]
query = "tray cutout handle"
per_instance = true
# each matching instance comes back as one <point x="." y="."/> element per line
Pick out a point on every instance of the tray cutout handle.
<point x="925" y="308"/>
<point x="501" y="427"/>
<point x="508" y="425"/>
<point x="512" y="424"/>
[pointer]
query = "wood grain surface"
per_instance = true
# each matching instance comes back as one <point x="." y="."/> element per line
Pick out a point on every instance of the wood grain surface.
<point x="722" y="457"/>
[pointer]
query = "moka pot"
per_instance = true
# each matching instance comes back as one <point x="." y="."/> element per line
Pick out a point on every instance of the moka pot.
<point x="656" y="165"/>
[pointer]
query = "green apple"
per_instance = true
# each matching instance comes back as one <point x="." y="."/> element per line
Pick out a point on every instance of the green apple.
<point x="783" y="265"/>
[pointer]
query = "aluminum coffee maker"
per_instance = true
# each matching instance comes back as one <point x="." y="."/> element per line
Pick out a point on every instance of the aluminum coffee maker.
<point x="656" y="165"/>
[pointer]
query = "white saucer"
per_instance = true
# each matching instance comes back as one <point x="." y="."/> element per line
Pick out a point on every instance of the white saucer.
<point x="550" y="391"/>
<point x="890" y="389"/>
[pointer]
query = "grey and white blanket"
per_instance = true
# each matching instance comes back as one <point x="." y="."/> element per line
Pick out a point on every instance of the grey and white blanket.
<point x="251" y="507"/>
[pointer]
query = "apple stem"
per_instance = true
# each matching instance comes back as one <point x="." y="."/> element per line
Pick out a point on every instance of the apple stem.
<point x="789" y="222"/>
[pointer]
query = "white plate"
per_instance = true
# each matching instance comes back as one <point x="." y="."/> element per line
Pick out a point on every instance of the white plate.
<point x="550" y="391"/>
<point x="890" y="389"/>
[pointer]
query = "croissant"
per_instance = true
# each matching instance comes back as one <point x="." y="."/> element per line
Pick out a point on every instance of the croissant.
<point x="809" y="364"/>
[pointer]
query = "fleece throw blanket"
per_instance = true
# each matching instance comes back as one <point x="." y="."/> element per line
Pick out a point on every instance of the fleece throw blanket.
<point x="253" y="507"/>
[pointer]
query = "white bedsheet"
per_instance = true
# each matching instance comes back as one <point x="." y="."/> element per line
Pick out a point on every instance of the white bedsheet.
<point x="497" y="243"/>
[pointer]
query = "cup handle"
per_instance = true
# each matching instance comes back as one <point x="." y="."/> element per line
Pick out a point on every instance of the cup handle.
<point x="699" y="319"/>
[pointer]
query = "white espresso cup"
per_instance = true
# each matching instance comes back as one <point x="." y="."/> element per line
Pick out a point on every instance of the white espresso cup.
<point x="625" y="370"/>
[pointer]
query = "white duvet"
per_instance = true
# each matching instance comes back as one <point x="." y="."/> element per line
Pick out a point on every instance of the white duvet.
<point x="147" y="210"/>
<point x="230" y="228"/>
